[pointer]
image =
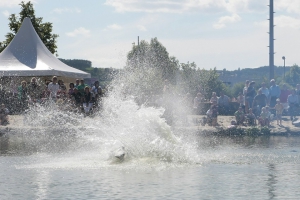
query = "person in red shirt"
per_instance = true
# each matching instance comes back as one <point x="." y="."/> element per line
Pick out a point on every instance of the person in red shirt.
<point x="285" y="92"/>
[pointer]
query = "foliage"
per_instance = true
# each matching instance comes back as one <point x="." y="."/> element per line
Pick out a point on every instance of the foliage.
<point x="200" y="80"/>
<point x="293" y="76"/>
<point x="148" y="66"/>
<point x="77" y="63"/>
<point x="153" y="56"/>
<point x="237" y="88"/>
<point x="44" y="30"/>
<point x="209" y="81"/>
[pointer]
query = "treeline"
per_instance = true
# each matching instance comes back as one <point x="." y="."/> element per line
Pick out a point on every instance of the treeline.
<point x="77" y="63"/>
<point x="252" y="73"/>
<point x="104" y="75"/>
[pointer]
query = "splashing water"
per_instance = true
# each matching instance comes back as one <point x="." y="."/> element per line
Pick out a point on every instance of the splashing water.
<point x="73" y="140"/>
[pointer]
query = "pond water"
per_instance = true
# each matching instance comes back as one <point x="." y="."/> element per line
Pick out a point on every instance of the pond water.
<point x="225" y="168"/>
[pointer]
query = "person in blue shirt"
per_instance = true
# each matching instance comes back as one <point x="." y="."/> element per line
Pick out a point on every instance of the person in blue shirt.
<point x="274" y="93"/>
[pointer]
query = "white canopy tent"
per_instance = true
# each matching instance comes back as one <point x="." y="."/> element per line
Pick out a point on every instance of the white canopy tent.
<point x="26" y="55"/>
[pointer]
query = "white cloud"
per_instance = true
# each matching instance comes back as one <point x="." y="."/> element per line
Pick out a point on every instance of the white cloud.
<point x="282" y="21"/>
<point x="114" y="27"/>
<point x="187" y="6"/>
<point x="13" y="3"/>
<point x="79" y="32"/>
<point x="244" y="6"/>
<point x="166" y="6"/>
<point x="9" y="3"/>
<point x="141" y="28"/>
<point x="225" y="20"/>
<point x="5" y="13"/>
<point x="66" y="10"/>
<point x="291" y="6"/>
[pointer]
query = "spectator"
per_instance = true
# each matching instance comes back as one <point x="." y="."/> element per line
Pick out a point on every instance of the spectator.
<point x="81" y="86"/>
<point x="45" y="92"/>
<point x="241" y="100"/>
<point x="214" y="114"/>
<point x="284" y="93"/>
<point x="250" y="94"/>
<point x="53" y="87"/>
<point x="245" y="93"/>
<point x="61" y="84"/>
<point x="270" y="115"/>
<point x="260" y="100"/>
<point x="239" y="116"/>
<point x="71" y="89"/>
<point x="4" y="115"/>
<point x="274" y="93"/>
<point x="209" y="117"/>
<point x="77" y="97"/>
<point x="223" y="103"/>
<point x="87" y="100"/>
<point x="251" y="118"/>
<point x="293" y="102"/>
<point x="264" y="89"/>
<point x="197" y="103"/>
<point x="279" y="109"/>
<point x="76" y="83"/>
<point x="62" y="92"/>
<point x="264" y="117"/>
<point x="34" y="90"/>
<point x="97" y="91"/>
<point x="246" y="87"/>
<point x="213" y="97"/>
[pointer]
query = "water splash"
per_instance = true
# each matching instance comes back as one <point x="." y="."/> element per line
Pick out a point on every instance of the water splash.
<point x="73" y="140"/>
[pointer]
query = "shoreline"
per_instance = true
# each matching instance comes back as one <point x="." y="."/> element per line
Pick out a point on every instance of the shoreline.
<point x="224" y="122"/>
<point x="16" y="125"/>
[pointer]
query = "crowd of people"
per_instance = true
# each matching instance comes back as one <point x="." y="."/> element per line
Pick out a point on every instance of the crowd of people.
<point x="79" y="96"/>
<point x="255" y="106"/>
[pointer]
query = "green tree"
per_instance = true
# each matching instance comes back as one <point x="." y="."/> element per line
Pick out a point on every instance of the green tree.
<point x="148" y="66"/>
<point x="293" y="76"/>
<point x="237" y="88"/>
<point x="210" y="82"/>
<point x="200" y="80"/>
<point x="153" y="56"/>
<point x="44" y="30"/>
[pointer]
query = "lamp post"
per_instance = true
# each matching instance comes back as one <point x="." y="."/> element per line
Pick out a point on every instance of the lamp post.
<point x="283" y="58"/>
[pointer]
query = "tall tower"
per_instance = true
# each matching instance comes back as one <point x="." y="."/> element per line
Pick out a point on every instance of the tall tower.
<point x="271" y="40"/>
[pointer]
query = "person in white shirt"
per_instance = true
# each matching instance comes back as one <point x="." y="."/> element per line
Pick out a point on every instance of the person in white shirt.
<point x="293" y="102"/>
<point x="96" y="91"/>
<point x="53" y="87"/>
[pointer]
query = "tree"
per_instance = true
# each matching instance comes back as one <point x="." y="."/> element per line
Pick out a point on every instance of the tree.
<point x="293" y="76"/>
<point x="200" y="80"/>
<point x="153" y="56"/>
<point x="44" y="30"/>
<point x="148" y="66"/>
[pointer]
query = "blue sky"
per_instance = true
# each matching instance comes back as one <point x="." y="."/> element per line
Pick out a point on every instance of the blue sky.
<point x="212" y="33"/>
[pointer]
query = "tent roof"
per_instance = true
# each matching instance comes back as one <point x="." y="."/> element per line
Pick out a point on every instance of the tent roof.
<point x="26" y="55"/>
